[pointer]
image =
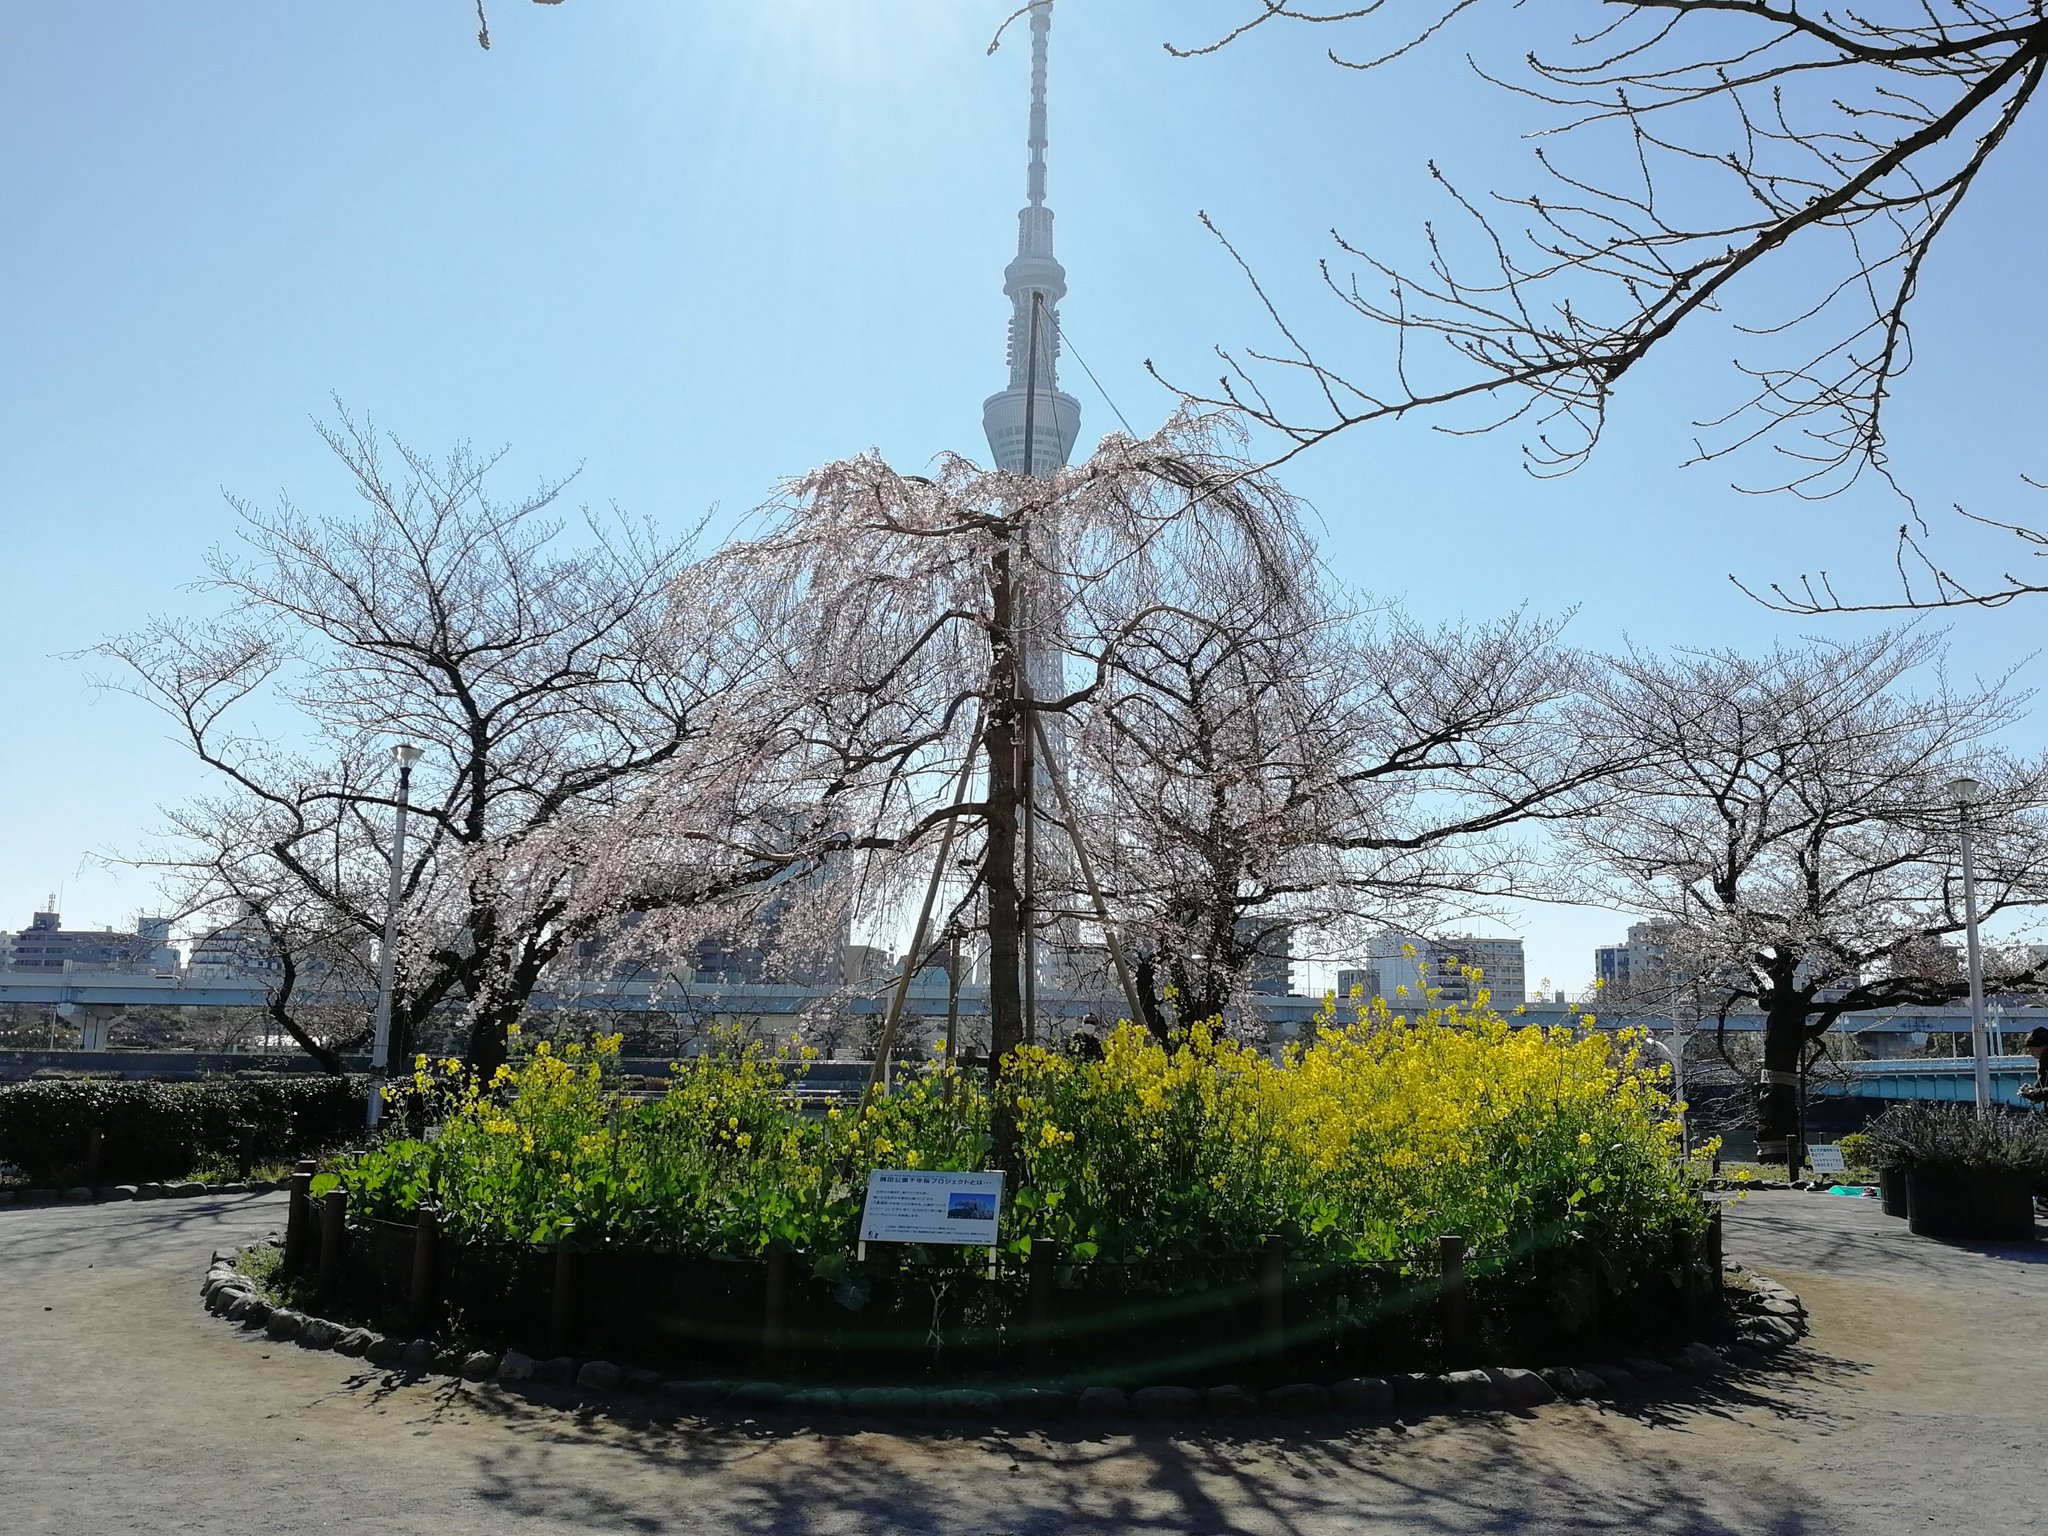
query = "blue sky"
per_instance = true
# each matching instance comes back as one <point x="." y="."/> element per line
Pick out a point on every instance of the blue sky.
<point x="694" y="248"/>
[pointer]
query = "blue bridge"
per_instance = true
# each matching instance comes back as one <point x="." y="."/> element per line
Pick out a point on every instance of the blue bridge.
<point x="1950" y="1079"/>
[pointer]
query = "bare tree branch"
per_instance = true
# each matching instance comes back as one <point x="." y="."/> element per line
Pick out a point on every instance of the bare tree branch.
<point x="1733" y="143"/>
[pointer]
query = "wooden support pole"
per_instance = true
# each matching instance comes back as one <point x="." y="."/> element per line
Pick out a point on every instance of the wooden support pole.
<point x="562" y="1308"/>
<point x="917" y="938"/>
<point x="1273" y="1306"/>
<point x="775" y="1308"/>
<point x="245" y="1159"/>
<point x="1087" y="868"/>
<point x="1450" y="1257"/>
<point x="1027" y="903"/>
<point x="1041" y="1272"/>
<point x="426" y="1268"/>
<point x="952" y="1008"/>
<point x="1714" y="1252"/>
<point x="94" y="1141"/>
<point x="333" y="1234"/>
<point x="1689" y="1288"/>
<point x="298" y="1219"/>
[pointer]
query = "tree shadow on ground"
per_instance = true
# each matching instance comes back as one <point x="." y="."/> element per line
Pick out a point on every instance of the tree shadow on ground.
<point x="1777" y="1233"/>
<point x="154" y="1228"/>
<point x="1612" y="1467"/>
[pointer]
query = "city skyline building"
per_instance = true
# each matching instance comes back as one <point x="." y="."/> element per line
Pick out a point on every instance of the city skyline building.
<point x="234" y="951"/>
<point x="1639" y="964"/>
<point x="1362" y="980"/>
<point x="46" y="945"/>
<point x="1397" y="961"/>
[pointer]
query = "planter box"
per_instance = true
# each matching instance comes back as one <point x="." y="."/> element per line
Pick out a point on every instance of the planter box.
<point x="1988" y="1205"/>
<point x="1891" y="1189"/>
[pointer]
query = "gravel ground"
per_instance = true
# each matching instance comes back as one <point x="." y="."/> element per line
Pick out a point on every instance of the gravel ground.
<point x="1921" y="1399"/>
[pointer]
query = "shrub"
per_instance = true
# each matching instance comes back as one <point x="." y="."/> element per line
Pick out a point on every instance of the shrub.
<point x="1955" y="1136"/>
<point x="157" y="1130"/>
<point x="1548" y="1149"/>
<point x="1858" y="1156"/>
<point x="721" y="1164"/>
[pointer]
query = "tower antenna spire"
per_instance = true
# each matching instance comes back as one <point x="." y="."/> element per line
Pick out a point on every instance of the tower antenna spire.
<point x="1041" y="37"/>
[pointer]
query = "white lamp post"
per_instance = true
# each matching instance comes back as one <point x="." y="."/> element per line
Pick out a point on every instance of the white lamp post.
<point x="387" y="955"/>
<point x="1675" y="1054"/>
<point x="1964" y="792"/>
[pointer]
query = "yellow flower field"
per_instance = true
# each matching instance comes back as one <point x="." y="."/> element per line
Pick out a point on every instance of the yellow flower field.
<point x="1168" y="1167"/>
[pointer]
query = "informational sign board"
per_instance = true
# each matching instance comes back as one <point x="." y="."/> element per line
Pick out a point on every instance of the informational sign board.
<point x="1826" y="1160"/>
<point x="918" y="1205"/>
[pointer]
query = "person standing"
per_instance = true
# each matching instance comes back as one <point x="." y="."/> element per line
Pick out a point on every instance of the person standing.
<point x="2036" y="1046"/>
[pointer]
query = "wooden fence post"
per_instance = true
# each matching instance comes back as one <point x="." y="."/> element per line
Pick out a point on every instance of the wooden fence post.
<point x="1044" y="1264"/>
<point x="562" y="1313"/>
<point x="1689" y="1277"/>
<point x="94" y="1140"/>
<point x="246" y="1154"/>
<point x="333" y="1233"/>
<point x="1273" y="1306"/>
<point x="1450" y="1257"/>
<point x="775" y="1308"/>
<point x="298" y="1218"/>
<point x="1714" y="1252"/>
<point x="426" y="1268"/>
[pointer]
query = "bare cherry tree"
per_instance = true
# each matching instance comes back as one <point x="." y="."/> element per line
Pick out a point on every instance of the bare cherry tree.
<point x="1254" y="770"/>
<point x="1789" y="816"/>
<point x="316" y="964"/>
<point x="1788" y="169"/>
<point x="548" y="685"/>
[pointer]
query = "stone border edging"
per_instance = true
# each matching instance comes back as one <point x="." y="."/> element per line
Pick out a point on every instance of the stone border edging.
<point x="1771" y="1318"/>
<point x="82" y="1194"/>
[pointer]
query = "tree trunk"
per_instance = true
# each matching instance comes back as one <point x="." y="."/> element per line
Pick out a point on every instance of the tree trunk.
<point x="328" y="1057"/>
<point x="1147" y="982"/>
<point x="1777" y="1102"/>
<point x="488" y="1039"/>
<point x="279" y="1008"/>
<point x="1005" y="996"/>
<point x="404" y="1038"/>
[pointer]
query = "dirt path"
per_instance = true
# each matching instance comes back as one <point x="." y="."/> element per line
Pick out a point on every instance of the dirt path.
<point x="123" y="1407"/>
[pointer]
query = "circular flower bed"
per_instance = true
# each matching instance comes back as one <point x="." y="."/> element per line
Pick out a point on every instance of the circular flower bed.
<point x="1186" y="1205"/>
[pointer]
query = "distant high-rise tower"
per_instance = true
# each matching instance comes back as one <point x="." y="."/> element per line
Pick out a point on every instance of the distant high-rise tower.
<point x="1036" y="283"/>
<point x="1031" y="428"/>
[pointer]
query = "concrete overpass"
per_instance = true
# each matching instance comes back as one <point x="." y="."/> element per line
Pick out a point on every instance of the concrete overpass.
<point x="89" y="1004"/>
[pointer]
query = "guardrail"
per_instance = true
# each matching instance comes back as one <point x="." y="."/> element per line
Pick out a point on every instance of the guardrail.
<point x="821" y="1079"/>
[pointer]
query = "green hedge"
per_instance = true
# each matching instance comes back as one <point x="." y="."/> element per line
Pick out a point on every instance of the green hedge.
<point x="155" y="1130"/>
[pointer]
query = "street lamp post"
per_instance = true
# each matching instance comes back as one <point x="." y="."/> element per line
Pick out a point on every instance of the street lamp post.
<point x="387" y="954"/>
<point x="1675" y="1054"/>
<point x="1964" y="792"/>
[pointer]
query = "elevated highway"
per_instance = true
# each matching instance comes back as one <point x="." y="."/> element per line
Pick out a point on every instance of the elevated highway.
<point x="85" y="1008"/>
